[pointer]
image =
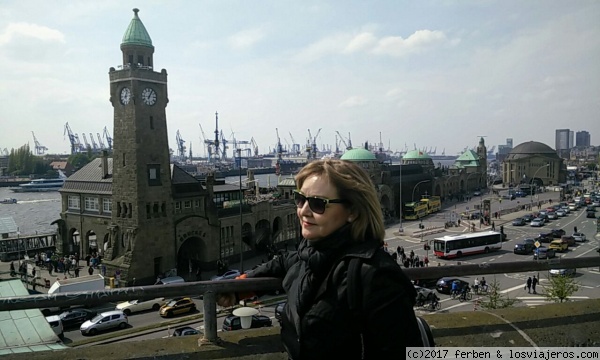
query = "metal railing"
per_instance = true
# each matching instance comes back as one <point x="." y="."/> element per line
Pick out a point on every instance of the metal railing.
<point x="210" y="289"/>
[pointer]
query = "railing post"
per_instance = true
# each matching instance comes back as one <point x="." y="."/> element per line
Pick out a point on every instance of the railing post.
<point x="210" y="317"/>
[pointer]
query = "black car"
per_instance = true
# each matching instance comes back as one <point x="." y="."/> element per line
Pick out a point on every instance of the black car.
<point x="444" y="285"/>
<point x="76" y="317"/>
<point x="557" y="233"/>
<point x="233" y="322"/>
<point x="279" y="310"/>
<point x="528" y="217"/>
<point x="185" y="331"/>
<point x="543" y="253"/>
<point x="545" y="237"/>
<point x="590" y="215"/>
<point x="523" y="248"/>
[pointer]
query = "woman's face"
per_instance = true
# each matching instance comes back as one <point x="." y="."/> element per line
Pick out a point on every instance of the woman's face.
<point x="317" y="226"/>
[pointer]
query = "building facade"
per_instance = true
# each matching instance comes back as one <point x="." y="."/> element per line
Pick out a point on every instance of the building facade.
<point x="582" y="139"/>
<point x="563" y="139"/>
<point x="533" y="163"/>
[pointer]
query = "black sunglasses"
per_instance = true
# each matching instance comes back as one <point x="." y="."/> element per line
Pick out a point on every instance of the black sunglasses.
<point x="315" y="203"/>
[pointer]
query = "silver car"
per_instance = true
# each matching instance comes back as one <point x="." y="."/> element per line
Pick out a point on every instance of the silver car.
<point x="104" y="321"/>
<point x="579" y="237"/>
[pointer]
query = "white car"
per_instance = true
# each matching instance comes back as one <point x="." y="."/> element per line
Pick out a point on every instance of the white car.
<point x="579" y="237"/>
<point x="537" y="222"/>
<point x="566" y="209"/>
<point x="129" y="307"/>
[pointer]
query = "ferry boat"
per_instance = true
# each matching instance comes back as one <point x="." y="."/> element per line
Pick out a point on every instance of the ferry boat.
<point x="8" y="201"/>
<point x="40" y="185"/>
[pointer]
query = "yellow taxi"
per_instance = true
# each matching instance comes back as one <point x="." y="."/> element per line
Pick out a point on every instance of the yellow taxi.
<point x="559" y="245"/>
<point x="177" y="306"/>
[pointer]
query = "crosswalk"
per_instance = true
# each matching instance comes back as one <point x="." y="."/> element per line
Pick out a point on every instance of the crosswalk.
<point x="533" y="301"/>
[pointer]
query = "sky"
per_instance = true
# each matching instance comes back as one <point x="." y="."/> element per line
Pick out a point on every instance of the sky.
<point x="409" y="74"/>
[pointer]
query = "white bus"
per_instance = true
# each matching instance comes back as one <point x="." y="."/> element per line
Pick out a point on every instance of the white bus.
<point x="452" y="246"/>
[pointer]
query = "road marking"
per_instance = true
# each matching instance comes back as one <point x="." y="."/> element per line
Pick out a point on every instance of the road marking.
<point x="592" y="249"/>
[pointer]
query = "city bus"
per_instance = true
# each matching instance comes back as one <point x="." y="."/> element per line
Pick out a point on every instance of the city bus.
<point x="452" y="246"/>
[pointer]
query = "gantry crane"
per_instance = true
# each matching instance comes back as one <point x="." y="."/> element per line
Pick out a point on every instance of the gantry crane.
<point x="100" y="142"/>
<point x="76" y="146"/>
<point x="39" y="148"/>
<point x="94" y="145"/>
<point x="108" y="138"/>
<point x="87" y="145"/>
<point x="312" y="145"/>
<point x="180" y="146"/>
<point x="295" y="146"/>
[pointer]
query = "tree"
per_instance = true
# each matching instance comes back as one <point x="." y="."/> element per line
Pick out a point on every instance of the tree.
<point x="496" y="299"/>
<point x="560" y="287"/>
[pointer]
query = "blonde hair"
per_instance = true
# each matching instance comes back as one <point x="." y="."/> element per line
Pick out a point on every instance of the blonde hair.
<point x="354" y="185"/>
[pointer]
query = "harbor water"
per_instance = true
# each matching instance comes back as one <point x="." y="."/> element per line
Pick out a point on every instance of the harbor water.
<point x="33" y="211"/>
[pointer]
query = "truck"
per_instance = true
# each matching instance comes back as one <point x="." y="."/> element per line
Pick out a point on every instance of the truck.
<point x="83" y="283"/>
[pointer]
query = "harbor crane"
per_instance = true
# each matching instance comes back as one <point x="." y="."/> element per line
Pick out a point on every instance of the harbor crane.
<point x="100" y="142"/>
<point x="180" y="146"/>
<point x="348" y="144"/>
<point x="87" y="145"/>
<point x="312" y="145"/>
<point x="39" y="148"/>
<point x="280" y="152"/>
<point x="76" y="146"/>
<point x="108" y="138"/>
<point x="254" y="146"/>
<point x="295" y="146"/>
<point x="94" y="145"/>
<point x="205" y="142"/>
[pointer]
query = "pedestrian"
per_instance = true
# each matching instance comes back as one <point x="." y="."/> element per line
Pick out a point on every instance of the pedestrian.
<point x="534" y="283"/>
<point x="528" y="285"/>
<point x="575" y="230"/>
<point x="90" y="270"/>
<point x="493" y="226"/>
<point x="12" y="269"/>
<point x="426" y="261"/>
<point x="76" y="270"/>
<point x="342" y="231"/>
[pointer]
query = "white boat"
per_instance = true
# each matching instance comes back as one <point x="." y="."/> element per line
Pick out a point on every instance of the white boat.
<point x="42" y="185"/>
<point x="8" y="201"/>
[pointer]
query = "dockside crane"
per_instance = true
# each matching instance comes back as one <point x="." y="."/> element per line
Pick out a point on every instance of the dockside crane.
<point x="280" y="152"/>
<point x="207" y="151"/>
<point x="254" y="146"/>
<point x="347" y="145"/>
<point x="180" y="146"/>
<point x="108" y="138"/>
<point x="216" y="143"/>
<point x="39" y="148"/>
<point x="312" y="148"/>
<point x="94" y="145"/>
<point x="100" y="142"/>
<point x="73" y="139"/>
<point x="87" y="145"/>
<point x="295" y="145"/>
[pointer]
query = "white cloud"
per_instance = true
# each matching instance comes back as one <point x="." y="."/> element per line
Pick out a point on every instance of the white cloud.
<point x="353" y="101"/>
<point x="397" y="46"/>
<point x="246" y="38"/>
<point x="361" y="42"/>
<point x="39" y="32"/>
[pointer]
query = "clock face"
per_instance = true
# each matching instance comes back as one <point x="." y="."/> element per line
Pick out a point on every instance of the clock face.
<point x="149" y="96"/>
<point x="125" y="96"/>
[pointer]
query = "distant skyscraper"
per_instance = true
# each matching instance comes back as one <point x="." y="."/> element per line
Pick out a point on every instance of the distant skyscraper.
<point x="564" y="139"/>
<point x="582" y="138"/>
<point x="509" y="142"/>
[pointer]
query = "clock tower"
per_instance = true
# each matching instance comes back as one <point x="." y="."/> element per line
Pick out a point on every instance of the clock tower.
<point x="141" y="243"/>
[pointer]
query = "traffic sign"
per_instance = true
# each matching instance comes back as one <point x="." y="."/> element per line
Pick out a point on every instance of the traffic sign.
<point x="537" y="244"/>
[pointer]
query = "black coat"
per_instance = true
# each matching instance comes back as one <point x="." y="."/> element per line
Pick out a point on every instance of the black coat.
<point x="317" y="323"/>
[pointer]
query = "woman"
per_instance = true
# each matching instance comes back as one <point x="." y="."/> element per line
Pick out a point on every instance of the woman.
<point x="341" y="219"/>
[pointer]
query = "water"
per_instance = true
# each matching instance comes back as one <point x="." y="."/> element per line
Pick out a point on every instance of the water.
<point x="33" y="212"/>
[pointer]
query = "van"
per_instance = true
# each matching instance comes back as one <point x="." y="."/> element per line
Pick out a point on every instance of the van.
<point x="56" y="325"/>
<point x="170" y="280"/>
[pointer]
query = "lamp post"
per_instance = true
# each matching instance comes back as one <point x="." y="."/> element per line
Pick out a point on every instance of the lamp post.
<point x="239" y="151"/>
<point x="400" y="229"/>
<point x="531" y="184"/>
<point x="415" y="188"/>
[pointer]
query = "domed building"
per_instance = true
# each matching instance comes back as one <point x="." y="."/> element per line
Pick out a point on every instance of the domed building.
<point x="418" y="157"/>
<point x="533" y="162"/>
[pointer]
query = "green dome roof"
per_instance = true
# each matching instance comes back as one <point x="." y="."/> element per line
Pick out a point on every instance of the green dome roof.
<point x="136" y="33"/>
<point x="416" y="155"/>
<point x="359" y="155"/>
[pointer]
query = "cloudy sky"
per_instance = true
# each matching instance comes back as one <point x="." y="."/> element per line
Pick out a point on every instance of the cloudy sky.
<point x="411" y="73"/>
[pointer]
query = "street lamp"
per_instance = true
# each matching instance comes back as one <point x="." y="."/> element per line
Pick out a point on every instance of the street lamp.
<point x="415" y="188"/>
<point x="239" y="151"/>
<point x="400" y="196"/>
<point x="531" y="185"/>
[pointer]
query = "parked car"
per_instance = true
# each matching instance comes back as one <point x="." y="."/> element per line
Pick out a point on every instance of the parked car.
<point x="523" y="249"/>
<point x="579" y="237"/>
<point x="557" y="233"/>
<point x="561" y="213"/>
<point x="543" y="253"/>
<point x="177" y="306"/>
<point x="185" y="331"/>
<point x="519" y="222"/>
<point x="573" y="206"/>
<point x="76" y="317"/>
<point x="129" y="307"/>
<point x="104" y="321"/>
<point x="566" y="210"/>
<point x="228" y="275"/>
<point x="570" y="240"/>
<point x="559" y="245"/>
<point x="563" y="272"/>
<point x="56" y="325"/>
<point x="233" y="322"/>
<point x="537" y="222"/>
<point x="444" y="285"/>
<point x="552" y="215"/>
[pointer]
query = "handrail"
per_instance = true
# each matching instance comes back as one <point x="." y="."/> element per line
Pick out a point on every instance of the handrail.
<point x="209" y="289"/>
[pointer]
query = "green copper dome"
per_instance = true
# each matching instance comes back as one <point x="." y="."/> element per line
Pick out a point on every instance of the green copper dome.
<point x="359" y="155"/>
<point x="136" y="33"/>
<point x="416" y="155"/>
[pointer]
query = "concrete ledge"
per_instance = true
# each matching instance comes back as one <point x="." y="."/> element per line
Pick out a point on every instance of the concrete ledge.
<point x="567" y="324"/>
